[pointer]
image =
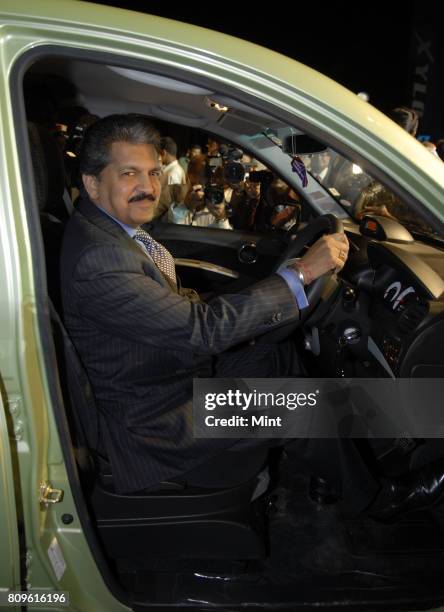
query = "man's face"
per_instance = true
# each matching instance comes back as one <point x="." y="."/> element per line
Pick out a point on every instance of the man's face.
<point x="195" y="152"/>
<point x="128" y="188"/>
<point x="253" y="190"/>
<point x="217" y="210"/>
<point x="212" y="146"/>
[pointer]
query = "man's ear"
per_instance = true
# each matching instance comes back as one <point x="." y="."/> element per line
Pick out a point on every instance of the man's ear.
<point x="91" y="184"/>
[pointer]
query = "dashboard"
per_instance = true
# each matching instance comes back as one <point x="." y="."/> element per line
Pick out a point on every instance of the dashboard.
<point x="387" y="319"/>
<point x="399" y="296"/>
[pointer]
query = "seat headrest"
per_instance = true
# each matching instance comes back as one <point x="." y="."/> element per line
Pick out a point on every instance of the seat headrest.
<point x="49" y="170"/>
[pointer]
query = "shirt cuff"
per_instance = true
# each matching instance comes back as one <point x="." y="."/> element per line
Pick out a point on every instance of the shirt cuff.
<point x="295" y="286"/>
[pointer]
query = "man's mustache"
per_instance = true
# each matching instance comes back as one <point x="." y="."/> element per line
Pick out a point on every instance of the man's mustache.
<point x="142" y="196"/>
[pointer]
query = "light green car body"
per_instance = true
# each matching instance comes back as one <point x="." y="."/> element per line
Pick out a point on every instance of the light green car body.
<point x="30" y="449"/>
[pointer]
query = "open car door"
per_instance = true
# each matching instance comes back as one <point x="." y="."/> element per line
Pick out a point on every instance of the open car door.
<point x="9" y="539"/>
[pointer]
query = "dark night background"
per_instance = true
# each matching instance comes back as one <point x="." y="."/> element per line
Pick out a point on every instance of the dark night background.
<point x="391" y="50"/>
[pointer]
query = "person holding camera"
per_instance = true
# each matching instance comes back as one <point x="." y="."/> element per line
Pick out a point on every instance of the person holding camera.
<point x="216" y="205"/>
<point x="244" y="205"/>
<point x="203" y="205"/>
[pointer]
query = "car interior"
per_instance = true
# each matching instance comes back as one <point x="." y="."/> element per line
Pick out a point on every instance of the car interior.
<point x="381" y="317"/>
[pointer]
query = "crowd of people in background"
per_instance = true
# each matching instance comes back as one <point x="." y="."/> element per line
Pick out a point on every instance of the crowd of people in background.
<point x="358" y="191"/>
<point x="378" y="199"/>
<point x="200" y="189"/>
<point x="203" y="193"/>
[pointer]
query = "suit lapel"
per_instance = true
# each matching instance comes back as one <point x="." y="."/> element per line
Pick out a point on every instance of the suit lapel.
<point x="93" y="213"/>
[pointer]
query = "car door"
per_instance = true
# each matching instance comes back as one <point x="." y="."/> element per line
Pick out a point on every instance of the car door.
<point x="54" y="552"/>
<point x="10" y="578"/>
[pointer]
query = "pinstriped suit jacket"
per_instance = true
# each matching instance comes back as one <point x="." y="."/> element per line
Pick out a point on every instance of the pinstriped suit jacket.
<point x="142" y="343"/>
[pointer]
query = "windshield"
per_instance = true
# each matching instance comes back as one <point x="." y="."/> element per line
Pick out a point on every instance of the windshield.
<point x="359" y="193"/>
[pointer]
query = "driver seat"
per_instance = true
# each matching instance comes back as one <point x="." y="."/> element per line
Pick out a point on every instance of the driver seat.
<point x="175" y="521"/>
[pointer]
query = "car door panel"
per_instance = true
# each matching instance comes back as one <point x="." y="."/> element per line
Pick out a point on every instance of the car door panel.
<point x="209" y="259"/>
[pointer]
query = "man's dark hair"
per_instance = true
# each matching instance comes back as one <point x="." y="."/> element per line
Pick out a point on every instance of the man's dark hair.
<point x="96" y="147"/>
<point x="169" y="145"/>
<point x="406" y="117"/>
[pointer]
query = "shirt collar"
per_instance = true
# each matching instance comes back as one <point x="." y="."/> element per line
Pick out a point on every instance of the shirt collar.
<point x="131" y="231"/>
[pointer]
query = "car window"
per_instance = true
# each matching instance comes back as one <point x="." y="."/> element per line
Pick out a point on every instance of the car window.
<point x="262" y="175"/>
<point x="228" y="189"/>
<point x="359" y="193"/>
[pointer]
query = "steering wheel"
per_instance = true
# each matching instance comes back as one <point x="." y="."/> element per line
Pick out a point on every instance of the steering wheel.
<point x="325" y="224"/>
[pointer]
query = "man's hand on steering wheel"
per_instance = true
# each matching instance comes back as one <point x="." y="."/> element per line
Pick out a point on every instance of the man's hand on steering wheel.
<point x="322" y="259"/>
<point x="328" y="253"/>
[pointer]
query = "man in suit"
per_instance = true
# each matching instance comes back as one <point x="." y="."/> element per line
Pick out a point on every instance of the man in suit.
<point x="141" y="337"/>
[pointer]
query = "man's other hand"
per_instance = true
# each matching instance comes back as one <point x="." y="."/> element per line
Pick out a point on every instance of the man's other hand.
<point x="218" y="210"/>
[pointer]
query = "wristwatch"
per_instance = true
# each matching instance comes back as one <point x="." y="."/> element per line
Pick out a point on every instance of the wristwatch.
<point x="300" y="275"/>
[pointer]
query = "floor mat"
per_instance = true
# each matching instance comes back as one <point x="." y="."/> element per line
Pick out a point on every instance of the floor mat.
<point x="318" y="558"/>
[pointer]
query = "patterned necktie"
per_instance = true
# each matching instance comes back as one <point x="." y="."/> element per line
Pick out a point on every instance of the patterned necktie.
<point x="159" y="254"/>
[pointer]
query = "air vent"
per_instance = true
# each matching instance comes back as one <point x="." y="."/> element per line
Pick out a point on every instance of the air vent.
<point x="412" y="317"/>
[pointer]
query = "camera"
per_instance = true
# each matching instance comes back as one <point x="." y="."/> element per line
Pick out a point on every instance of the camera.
<point x="76" y="133"/>
<point x="213" y="162"/>
<point x="75" y="139"/>
<point x="234" y="172"/>
<point x="234" y="169"/>
<point x="265" y="177"/>
<point x="214" y="194"/>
